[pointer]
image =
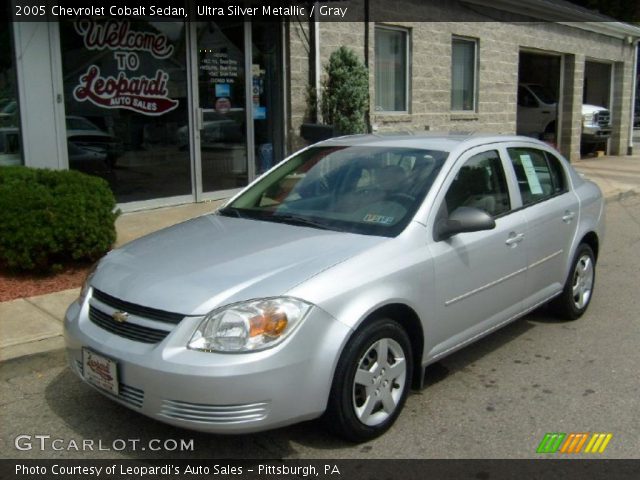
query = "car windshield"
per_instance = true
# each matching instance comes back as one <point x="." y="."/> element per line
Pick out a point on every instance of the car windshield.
<point x="543" y="93"/>
<point x="366" y="190"/>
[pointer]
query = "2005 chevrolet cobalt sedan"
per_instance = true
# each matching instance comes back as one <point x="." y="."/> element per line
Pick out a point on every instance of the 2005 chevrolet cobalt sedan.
<point x="327" y="286"/>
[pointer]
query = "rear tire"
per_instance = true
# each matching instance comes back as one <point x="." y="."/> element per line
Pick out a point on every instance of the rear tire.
<point x="371" y="381"/>
<point x="578" y="289"/>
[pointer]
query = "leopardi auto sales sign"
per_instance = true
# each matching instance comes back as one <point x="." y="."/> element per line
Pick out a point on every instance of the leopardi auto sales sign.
<point x="128" y="90"/>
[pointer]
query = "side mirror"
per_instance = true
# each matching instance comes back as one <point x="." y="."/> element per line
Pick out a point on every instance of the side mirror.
<point x="464" y="219"/>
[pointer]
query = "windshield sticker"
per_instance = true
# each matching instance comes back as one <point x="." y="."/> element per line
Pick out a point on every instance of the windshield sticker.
<point x="381" y="219"/>
<point x="532" y="177"/>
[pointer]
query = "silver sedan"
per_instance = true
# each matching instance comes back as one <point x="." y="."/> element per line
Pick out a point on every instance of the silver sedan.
<point x="326" y="287"/>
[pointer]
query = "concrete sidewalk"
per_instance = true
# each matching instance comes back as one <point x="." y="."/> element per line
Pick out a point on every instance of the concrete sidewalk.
<point x="34" y="325"/>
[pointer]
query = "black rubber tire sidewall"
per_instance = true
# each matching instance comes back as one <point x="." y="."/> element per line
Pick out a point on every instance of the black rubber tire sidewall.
<point x="340" y="416"/>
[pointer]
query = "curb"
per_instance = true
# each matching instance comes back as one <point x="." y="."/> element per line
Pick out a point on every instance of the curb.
<point x="29" y="349"/>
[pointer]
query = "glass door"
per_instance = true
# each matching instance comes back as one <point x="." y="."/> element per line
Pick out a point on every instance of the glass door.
<point x="267" y="94"/>
<point x="221" y="116"/>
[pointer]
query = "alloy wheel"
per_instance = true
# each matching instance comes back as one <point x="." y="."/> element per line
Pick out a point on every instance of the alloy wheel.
<point x="582" y="281"/>
<point x="379" y="381"/>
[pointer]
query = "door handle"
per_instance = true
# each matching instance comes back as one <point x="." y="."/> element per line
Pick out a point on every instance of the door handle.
<point x="514" y="239"/>
<point x="568" y="216"/>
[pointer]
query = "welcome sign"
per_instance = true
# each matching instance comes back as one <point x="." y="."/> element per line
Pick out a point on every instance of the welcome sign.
<point x="138" y="93"/>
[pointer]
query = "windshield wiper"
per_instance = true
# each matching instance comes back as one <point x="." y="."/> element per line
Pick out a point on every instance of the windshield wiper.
<point x="297" y="220"/>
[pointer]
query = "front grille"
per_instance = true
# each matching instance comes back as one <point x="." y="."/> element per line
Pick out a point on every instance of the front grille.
<point x="128" y="330"/>
<point x="127" y="394"/>
<point x="603" y="118"/>
<point x="137" y="310"/>
<point x="215" y="414"/>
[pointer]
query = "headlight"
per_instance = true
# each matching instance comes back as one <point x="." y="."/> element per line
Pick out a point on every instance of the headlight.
<point x="588" y="118"/>
<point x="86" y="286"/>
<point x="249" y="326"/>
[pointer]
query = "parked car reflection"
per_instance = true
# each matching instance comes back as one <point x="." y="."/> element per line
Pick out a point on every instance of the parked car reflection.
<point x="216" y="129"/>
<point x="8" y="113"/>
<point x="86" y="134"/>
<point x="87" y="158"/>
<point x="10" y="146"/>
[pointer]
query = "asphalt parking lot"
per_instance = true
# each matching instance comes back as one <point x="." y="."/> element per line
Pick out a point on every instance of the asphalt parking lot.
<point x="494" y="399"/>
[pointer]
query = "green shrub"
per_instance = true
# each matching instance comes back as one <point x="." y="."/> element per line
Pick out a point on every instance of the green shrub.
<point x="345" y="93"/>
<point x="49" y="217"/>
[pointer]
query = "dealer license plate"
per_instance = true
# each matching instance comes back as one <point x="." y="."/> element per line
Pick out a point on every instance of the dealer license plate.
<point x="100" y="371"/>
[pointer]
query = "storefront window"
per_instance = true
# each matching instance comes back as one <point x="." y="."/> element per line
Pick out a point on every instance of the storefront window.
<point x="10" y="151"/>
<point x="126" y="105"/>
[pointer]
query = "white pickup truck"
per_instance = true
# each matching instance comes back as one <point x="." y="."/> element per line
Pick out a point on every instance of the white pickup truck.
<point x="537" y="113"/>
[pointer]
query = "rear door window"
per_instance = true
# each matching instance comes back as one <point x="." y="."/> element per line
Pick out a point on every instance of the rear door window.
<point x="538" y="177"/>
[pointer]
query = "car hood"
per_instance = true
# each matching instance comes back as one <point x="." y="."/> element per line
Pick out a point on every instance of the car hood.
<point x="212" y="260"/>
<point x="88" y="133"/>
<point x="586" y="108"/>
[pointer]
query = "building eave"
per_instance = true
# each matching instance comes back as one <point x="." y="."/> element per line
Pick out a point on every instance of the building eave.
<point x="565" y="14"/>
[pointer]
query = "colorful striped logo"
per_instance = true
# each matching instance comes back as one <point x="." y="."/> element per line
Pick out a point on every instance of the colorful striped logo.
<point x="573" y="443"/>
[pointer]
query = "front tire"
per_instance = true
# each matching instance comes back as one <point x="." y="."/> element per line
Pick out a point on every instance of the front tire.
<point x="371" y="382"/>
<point x="578" y="289"/>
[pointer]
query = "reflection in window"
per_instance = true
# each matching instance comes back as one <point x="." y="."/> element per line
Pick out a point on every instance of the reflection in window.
<point x="369" y="190"/>
<point x="126" y="108"/>
<point x="221" y="84"/>
<point x="480" y="183"/>
<point x="10" y="151"/>
<point x="539" y="174"/>
<point x="391" y="70"/>
<point x="463" y="74"/>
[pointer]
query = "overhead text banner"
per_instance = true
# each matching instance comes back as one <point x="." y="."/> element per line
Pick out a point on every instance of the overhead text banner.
<point x="322" y="10"/>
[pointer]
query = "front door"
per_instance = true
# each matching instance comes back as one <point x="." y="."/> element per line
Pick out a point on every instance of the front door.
<point x="479" y="276"/>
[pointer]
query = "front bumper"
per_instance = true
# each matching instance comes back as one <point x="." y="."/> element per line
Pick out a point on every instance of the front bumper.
<point x="216" y="392"/>
<point x="595" y="133"/>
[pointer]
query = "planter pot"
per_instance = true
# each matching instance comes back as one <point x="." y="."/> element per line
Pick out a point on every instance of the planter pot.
<point x="315" y="132"/>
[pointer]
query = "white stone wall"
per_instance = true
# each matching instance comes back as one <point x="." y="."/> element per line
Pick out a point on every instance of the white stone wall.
<point x="499" y="46"/>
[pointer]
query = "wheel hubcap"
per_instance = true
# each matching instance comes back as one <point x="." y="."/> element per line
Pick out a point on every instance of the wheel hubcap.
<point x="379" y="381"/>
<point x="582" y="282"/>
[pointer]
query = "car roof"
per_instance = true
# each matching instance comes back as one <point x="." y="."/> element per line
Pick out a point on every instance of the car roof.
<point x="446" y="142"/>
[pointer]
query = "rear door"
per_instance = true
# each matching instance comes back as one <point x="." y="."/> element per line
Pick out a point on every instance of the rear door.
<point x="551" y="211"/>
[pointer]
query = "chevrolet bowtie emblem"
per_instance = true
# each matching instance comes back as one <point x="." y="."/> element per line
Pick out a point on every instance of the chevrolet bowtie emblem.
<point x="120" y="317"/>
